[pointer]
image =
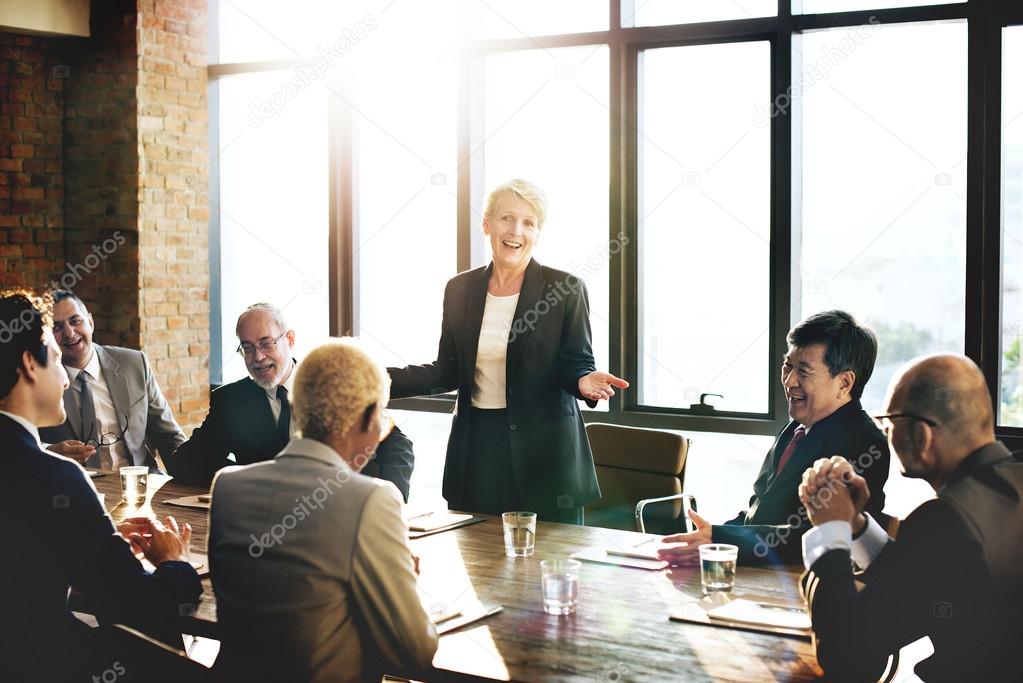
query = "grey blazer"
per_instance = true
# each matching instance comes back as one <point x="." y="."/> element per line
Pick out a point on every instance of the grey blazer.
<point x="313" y="573"/>
<point x="136" y="394"/>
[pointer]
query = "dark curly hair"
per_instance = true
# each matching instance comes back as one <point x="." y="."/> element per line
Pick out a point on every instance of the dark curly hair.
<point x="24" y="316"/>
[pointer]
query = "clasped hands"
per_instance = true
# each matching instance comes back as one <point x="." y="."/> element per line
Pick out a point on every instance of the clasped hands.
<point x="831" y="490"/>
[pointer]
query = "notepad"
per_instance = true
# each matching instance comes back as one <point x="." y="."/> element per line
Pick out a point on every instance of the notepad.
<point x="603" y="556"/>
<point x="741" y="611"/>
<point x="435" y="520"/>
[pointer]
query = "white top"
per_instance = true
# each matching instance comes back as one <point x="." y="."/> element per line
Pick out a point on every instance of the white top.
<point x="491" y="356"/>
<point x="110" y="457"/>
<point x="275" y="403"/>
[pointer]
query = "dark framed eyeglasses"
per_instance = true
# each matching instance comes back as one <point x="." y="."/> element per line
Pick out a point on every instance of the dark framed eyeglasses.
<point x="266" y="345"/>
<point x="884" y="422"/>
<point x="107" y="438"/>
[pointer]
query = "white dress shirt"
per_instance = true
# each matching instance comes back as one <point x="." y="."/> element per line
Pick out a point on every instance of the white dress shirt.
<point x="110" y="457"/>
<point x="838" y="535"/>
<point x="275" y="403"/>
<point x="492" y="353"/>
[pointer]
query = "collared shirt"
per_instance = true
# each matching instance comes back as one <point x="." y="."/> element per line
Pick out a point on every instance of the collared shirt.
<point x="275" y="403"/>
<point x="110" y="457"/>
<point x="32" y="429"/>
<point x="837" y="534"/>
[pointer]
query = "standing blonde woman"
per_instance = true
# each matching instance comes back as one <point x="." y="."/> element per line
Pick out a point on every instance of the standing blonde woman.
<point x="516" y="344"/>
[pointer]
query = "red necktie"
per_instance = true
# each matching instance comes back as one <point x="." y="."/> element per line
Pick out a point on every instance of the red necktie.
<point x="790" y="449"/>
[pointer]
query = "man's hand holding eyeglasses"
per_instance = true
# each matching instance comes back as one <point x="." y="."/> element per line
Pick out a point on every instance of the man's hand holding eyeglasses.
<point x="76" y="450"/>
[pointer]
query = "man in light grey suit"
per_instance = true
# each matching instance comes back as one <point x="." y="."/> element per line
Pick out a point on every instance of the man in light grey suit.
<point x="114" y="405"/>
<point x="312" y="570"/>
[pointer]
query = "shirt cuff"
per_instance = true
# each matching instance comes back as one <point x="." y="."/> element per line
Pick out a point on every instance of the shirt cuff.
<point x="870" y="543"/>
<point x="829" y="536"/>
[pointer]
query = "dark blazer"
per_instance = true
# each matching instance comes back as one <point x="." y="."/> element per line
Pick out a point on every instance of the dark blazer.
<point x="549" y="349"/>
<point x="772" y="528"/>
<point x="241" y="422"/>
<point x="58" y="535"/>
<point x="136" y="394"/>
<point x="953" y="574"/>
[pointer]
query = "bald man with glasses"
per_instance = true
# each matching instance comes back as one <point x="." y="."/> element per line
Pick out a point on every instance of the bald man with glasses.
<point x="251" y="419"/>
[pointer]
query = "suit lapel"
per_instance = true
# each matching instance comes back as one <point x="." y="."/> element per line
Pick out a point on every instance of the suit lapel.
<point x="261" y="417"/>
<point x="475" y="302"/>
<point x="529" y="295"/>
<point x="117" y="383"/>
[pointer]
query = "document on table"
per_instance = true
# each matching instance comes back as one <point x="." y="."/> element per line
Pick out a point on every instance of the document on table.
<point x="430" y="521"/>
<point x="616" y="557"/>
<point x="742" y="611"/>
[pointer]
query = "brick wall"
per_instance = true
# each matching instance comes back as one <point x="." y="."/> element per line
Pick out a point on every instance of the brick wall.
<point x="32" y="71"/>
<point x="103" y="181"/>
<point x="174" y="206"/>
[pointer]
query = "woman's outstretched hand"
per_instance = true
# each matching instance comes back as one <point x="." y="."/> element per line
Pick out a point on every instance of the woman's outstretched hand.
<point x="599" y="386"/>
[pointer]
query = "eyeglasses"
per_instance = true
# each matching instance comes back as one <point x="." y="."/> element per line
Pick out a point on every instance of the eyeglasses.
<point x="266" y="346"/>
<point x="884" y="422"/>
<point x="106" y="438"/>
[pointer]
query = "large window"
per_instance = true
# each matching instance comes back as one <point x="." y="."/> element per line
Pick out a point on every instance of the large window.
<point x="1011" y="392"/>
<point x="704" y="226"/>
<point x="882" y="179"/>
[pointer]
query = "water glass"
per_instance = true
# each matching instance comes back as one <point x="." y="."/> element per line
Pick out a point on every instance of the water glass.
<point x="717" y="566"/>
<point x="519" y="533"/>
<point x="134" y="481"/>
<point x="560" y="585"/>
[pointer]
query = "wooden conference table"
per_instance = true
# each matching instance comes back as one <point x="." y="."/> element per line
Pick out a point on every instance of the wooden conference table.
<point x="619" y="633"/>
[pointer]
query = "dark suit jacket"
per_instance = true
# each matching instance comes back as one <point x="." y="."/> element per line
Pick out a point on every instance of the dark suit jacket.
<point x="57" y="536"/>
<point x="549" y="349"/>
<point x="240" y="422"/>
<point x="954" y="574"/>
<point x="136" y="394"/>
<point x="772" y="529"/>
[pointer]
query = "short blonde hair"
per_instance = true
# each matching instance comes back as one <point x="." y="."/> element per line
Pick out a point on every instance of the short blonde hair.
<point x="524" y="190"/>
<point x="334" y="385"/>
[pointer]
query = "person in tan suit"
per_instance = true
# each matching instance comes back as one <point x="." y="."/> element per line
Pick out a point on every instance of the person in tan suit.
<point x="312" y="571"/>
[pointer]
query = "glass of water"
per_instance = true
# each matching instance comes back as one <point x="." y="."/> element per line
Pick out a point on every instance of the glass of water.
<point x="560" y="585"/>
<point x="717" y="566"/>
<point x="134" y="481"/>
<point x="519" y="533"/>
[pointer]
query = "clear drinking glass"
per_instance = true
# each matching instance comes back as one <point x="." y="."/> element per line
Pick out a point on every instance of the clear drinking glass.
<point x="519" y="533"/>
<point x="717" y="566"/>
<point x="560" y="585"/>
<point x="134" y="481"/>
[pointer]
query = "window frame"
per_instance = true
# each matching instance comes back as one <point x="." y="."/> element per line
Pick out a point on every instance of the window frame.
<point x="985" y="20"/>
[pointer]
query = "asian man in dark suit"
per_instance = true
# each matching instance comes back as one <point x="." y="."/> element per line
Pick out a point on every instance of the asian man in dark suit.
<point x="116" y="413"/>
<point x="829" y="360"/>
<point x="251" y="418"/>
<point x="58" y="534"/>
<point x="953" y="575"/>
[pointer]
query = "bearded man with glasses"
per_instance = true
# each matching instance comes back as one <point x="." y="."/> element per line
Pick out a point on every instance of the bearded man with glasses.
<point x="251" y="419"/>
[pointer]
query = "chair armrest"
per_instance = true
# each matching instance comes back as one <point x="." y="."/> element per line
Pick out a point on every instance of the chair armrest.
<point x="689" y="503"/>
